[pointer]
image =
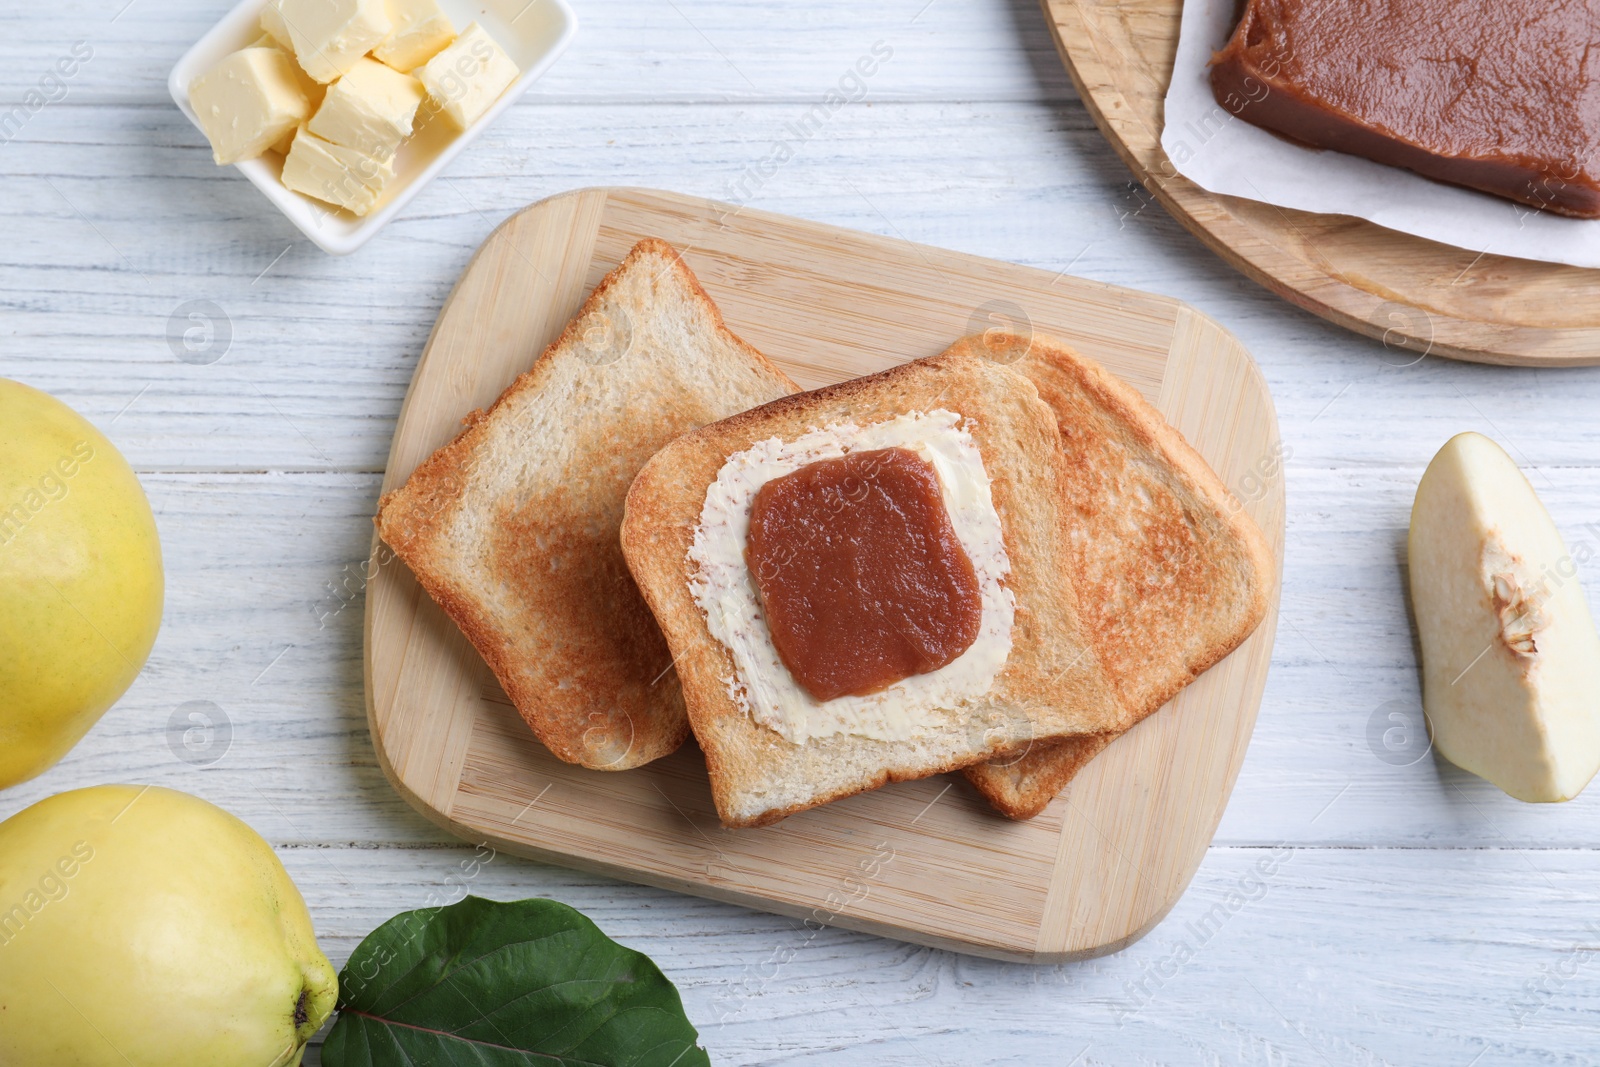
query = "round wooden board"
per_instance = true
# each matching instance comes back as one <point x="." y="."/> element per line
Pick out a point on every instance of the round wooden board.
<point x="922" y="861"/>
<point x="1406" y="291"/>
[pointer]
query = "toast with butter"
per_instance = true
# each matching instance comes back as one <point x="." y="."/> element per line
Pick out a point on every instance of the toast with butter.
<point x="1031" y="675"/>
<point x="512" y="527"/>
<point x="1170" y="573"/>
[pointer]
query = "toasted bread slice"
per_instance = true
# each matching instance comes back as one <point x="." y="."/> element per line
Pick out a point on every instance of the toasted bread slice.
<point x="1019" y="776"/>
<point x="1170" y="573"/>
<point x="1050" y="683"/>
<point x="512" y="527"/>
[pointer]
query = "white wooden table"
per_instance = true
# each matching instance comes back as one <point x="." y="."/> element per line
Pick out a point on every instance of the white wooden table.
<point x="1413" y="914"/>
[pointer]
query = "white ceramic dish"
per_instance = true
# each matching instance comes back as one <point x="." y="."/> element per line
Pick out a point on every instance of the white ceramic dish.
<point x="533" y="32"/>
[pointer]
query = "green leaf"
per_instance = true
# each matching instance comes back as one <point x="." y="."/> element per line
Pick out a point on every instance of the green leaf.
<point x="487" y="984"/>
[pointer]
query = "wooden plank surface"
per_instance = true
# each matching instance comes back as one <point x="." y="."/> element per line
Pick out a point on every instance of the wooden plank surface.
<point x="1416" y="294"/>
<point x="1357" y="984"/>
<point x="1420" y="904"/>
<point x="1094" y="873"/>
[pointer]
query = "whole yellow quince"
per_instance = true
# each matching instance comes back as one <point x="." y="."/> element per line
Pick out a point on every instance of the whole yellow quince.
<point x="80" y="579"/>
<point x="143" y="927"/>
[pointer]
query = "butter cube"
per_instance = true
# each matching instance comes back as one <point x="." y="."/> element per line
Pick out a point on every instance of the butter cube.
<point x="281" y="145"/>
<point x="420" y="31"/>
<point x="273" y="26"/>
<point x="247" y="102"/>
<point x="370" y="109"/>
<point x="335" y="174"/>
<point x="313" y="89"/>
<point x="466" y="78"/>
<point x="330" y="36"/>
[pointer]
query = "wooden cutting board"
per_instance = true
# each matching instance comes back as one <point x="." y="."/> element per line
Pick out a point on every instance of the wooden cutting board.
<point x="1412" y="294"/>
<point x="922" y="861"/>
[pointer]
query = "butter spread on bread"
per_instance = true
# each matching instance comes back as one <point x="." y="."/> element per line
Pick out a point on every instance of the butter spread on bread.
<point x="722" y="587"/>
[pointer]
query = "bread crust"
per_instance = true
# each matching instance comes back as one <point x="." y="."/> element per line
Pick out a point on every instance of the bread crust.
<point x="1050" y="686"/>
<point x="512" y="527"/>
<point x="1171" y="572"/>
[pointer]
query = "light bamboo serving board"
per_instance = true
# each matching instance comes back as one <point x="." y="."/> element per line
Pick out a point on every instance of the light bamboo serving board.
<point x="922" y="861"/>
<point x="1411" y="293"/>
